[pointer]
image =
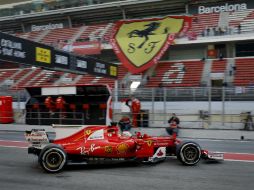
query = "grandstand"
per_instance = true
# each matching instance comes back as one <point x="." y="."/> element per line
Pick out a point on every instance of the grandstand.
<point x="186" y="65"/>
<point x="204" y="25"/>
<point x="244" y="74"/>
<point x="177" y="74"/>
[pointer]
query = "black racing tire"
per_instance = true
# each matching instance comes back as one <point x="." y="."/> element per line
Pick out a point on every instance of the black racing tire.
<point x="52" y="158"/>
<point x="189" y="153"/>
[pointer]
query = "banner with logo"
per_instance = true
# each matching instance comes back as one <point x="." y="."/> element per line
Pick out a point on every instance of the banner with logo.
<point x="95" y="67"/>
<point x="42" y="26"/>
<point x="221" y="6"/>
<point x="20" y="50"/>
<point x="62" y="59"/>
<point x="139" y="44"/>
<point x="83" y="48"/>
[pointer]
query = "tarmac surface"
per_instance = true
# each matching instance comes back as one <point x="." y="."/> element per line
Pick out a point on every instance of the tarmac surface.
<point x="21" y="171"/>
<point x="216" y="134"/>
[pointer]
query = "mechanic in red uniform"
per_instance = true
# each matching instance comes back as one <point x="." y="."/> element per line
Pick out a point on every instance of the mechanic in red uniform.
<point x="135" y="109"/>
<point x="61" y="106"/>
<point x="49" y="103"/>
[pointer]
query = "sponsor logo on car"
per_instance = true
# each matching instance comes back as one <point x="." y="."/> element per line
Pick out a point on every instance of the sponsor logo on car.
<point x="122" y="148"/>
<point x="149" y="143"/>
<point x="108" y="149"/>
<point x="88" y="132"/>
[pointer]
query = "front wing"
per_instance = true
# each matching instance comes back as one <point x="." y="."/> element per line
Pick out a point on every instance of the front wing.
<point x="209" y="155"/>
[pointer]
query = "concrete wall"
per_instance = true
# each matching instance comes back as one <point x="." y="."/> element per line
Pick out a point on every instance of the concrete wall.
<point x="185" y="52"/>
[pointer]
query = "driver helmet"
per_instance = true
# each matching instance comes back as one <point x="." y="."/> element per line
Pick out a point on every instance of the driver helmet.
<point x="127" y="134"/>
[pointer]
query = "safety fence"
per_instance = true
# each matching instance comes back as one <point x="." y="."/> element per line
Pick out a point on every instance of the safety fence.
<point x="165" y="94"/>
<point x="188" y="94"/>
<point x="46" y="118"/>
<point x="242" y="121"/>
<point x="37" y="117"/>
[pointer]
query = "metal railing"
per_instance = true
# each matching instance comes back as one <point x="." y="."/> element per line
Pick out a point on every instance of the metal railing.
<point x="156" y="104"/>
<point x="212" y="121"/>
<point x="188" y="94"/>
<point x="242" y="121"/>
<point x="46" y="118"/>
<point x="165" y="94"/>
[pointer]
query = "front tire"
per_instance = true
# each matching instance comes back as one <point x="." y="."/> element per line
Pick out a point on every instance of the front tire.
<point x="189" y="153"/>
<point x="52" y="158"/>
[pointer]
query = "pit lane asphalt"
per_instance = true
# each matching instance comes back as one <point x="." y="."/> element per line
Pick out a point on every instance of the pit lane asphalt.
<point x="21" y="171"/>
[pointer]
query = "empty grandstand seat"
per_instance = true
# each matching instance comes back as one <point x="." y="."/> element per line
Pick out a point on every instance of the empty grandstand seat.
<point x="7" y="74"/>
<point x="177" y="74"/>
<point x="30" y="35"/>
<point x="219" y="66"/>
<point x="204" y="21"/>
<point x="244" y="74"/>
<point x="85" y="79"/>
<point x="101" y="32"/>
<point x="57" y="35"/>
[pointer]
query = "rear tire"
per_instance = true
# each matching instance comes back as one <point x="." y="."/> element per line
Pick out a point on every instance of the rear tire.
<point x="52" y="158"/>
<point x="189" y="153"/>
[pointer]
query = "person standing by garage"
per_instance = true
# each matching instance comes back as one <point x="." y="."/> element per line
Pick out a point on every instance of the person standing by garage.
<point x="50" y="105"/>
<point x="135" y="107"/>
<point x="61" y="106"/>
<point x="174" y="122"/>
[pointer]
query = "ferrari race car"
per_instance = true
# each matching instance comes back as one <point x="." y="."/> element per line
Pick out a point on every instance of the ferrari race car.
<point x="90" y="143"/>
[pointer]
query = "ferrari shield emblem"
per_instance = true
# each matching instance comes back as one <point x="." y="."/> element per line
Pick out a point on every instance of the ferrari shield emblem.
<point x="149" y="142"/>
<point x="141" y="43"/>
<point x="88" y="132"/>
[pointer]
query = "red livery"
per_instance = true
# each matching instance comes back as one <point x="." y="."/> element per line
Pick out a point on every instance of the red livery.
<point x="85" y="144"/>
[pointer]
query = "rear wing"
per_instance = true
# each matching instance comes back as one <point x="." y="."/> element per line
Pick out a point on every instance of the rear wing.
<point x="37" y="138"/>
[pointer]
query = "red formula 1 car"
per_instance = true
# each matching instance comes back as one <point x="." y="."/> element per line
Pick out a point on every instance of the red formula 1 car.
<point x="86" y="144"/>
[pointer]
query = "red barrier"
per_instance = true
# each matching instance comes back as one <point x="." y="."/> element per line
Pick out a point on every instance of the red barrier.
<point x="6" y="112"/>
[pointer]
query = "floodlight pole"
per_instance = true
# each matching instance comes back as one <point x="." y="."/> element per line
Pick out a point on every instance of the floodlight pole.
<point x="123" y="12"/>
<point x="223" y="106"/>
<point x="116" y="91"/>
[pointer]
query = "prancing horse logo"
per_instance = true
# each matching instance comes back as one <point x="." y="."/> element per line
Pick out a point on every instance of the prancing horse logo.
<point x="141" y="43"/>
<point x="145" y="33"/>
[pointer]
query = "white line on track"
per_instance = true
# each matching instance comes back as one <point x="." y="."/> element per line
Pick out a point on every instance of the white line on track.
<point x="248" y="161"/>
<point x="245" y="153"/>
<point x="221" y="140"/>
<point x="13" y="141"/>
<point x="6" y="146"/>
